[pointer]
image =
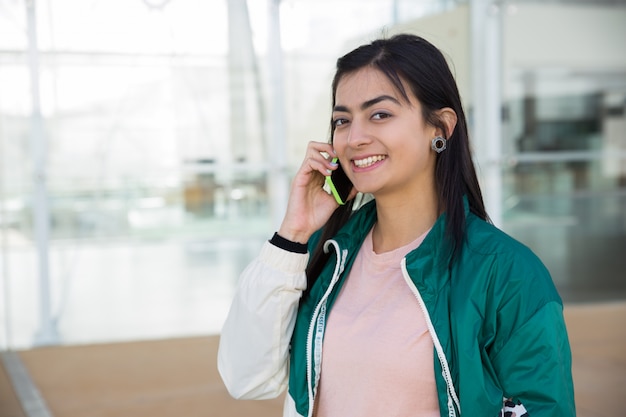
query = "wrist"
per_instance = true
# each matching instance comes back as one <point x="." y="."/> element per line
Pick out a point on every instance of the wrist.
<point x="293" y="234"/>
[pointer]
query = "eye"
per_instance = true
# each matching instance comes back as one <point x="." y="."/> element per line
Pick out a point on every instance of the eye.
<point x="339" y="122"/>
<point x="380" y="116"/>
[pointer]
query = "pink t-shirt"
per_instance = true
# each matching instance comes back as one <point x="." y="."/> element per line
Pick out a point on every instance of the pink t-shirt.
<point x="378" y="353"/>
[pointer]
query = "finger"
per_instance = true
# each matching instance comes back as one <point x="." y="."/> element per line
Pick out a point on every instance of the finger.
<point x="325" y="150"/>
<point x="318" y="159"/>
<point x="321" y="146"/>
<point x="317" y="163"/>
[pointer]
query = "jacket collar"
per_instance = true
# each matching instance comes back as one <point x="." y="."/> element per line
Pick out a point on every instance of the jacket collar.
<point x="364" y="218"/>
<point x="434" y="254"/>
<point x="353" y="233"/>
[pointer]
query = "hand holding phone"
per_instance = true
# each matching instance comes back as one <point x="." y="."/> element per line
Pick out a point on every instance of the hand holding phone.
<point x="339" y="184"/>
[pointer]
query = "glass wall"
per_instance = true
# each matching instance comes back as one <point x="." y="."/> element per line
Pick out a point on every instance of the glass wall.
<point x="564" y="161"/>
<point x="156" y="126"/>
<point x="564" y="191"/>
<point x="153" y="118"/>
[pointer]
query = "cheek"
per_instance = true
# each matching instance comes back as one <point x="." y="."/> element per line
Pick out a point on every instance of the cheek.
<point x="422" y="140"/>
<point x="416" y="150"/>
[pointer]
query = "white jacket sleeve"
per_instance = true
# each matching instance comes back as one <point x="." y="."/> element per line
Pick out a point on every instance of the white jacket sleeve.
<point x="253" y="356"/>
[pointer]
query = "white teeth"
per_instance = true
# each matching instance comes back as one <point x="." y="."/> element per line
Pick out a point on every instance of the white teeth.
<point x="365" y="162"/>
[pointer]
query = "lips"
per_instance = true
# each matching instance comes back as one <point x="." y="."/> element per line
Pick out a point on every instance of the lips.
<point x="370" y="160"/>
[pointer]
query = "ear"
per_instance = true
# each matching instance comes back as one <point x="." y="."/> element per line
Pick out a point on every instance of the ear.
<point x="449" y="119"/>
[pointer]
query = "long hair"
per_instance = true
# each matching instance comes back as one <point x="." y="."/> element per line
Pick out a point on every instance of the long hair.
<point x="412" y="60"/>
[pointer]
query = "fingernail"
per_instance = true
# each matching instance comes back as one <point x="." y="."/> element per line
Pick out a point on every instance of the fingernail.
<point x="330" y="171"/>
<point x="334" y="163"/>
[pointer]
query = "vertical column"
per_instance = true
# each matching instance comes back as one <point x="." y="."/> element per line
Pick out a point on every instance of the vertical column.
<point x="486" y="47"/>
<point x="395" y="8"/>
<point x="4" y="254"/>
<point x="239" y="51"/>
<point x="240" y="57"/>
<point x="278" y="182"/>
<point x="47" y="333"/>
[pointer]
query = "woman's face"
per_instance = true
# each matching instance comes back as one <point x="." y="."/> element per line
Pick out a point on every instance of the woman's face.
<point x="382" y="140"/>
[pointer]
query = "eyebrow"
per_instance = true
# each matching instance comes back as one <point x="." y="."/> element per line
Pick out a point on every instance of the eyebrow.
<point x="368" y="103"/>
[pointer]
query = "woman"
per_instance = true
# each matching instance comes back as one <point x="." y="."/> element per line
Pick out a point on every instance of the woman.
<point x="412" y="304"/>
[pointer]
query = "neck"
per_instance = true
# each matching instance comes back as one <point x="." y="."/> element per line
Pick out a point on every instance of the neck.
<point x="402" y="220"/>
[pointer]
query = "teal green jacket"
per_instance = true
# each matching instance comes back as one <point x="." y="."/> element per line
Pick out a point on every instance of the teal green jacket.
<point x="494" y="315"/>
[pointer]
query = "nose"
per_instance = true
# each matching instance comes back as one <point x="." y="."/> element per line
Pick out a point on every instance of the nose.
<point x="359" y="135"/>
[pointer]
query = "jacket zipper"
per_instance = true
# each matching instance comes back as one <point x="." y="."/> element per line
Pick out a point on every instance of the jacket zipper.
<point x="452" y="397"/>
<point x="318" y="323"/>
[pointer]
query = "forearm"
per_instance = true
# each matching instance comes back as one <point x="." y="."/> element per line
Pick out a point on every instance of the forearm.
<point x="254" y="346"/>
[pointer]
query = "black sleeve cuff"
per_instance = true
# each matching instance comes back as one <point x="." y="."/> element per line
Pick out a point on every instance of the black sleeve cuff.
<point x="280" y="242"/>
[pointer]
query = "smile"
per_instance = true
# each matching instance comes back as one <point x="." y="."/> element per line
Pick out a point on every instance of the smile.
<point x="370" y="160"/>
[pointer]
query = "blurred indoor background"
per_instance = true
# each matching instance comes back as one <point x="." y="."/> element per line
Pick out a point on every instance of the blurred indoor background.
<point x="146" y="146"/>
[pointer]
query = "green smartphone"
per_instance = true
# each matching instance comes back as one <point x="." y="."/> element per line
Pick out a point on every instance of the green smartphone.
<point x="339" y="184"/>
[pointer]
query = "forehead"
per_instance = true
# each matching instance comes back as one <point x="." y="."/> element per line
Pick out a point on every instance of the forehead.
<point x="365" y="84"/>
